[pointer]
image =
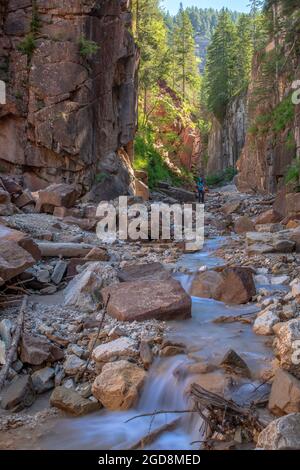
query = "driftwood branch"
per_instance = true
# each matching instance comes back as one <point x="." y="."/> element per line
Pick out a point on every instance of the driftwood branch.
<point x="161" y="412"/>
<point x="81" y="374"/>
<point x="11" y="354"/>
<point x="153" y="435"/>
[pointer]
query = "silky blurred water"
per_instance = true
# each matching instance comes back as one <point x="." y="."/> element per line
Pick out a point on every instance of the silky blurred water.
<point x="166" y="387"/>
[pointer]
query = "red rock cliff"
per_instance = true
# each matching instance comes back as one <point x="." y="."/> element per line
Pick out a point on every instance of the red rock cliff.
<point x="69" y="115"/>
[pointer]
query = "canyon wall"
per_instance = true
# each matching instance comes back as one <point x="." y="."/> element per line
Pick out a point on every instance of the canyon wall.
<point x="71" y="103"/>
<point x="227" y="139"/>
<point x="273" y="137"/>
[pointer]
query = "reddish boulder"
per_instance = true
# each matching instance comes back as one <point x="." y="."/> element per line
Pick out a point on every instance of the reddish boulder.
<point x="268" y="217"/>
<point x="14" y="260"/>
<point x="22" y="239"/>
<point x="36" y="350"/>
<point x="232" y="286"/>
<point x="238" y="286"/>
<point x="57" y="195"/>
<point x="147" y="299"/>
<point x="243" y="224"/>
<point x="151" y="271"/>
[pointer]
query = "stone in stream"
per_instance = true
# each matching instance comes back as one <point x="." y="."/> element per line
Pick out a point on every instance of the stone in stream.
<point x="265" y="321"/>
<point x="285" y="394"/>
<point x="233" y="285"/>
<point x="146" y="354"/>
<point x="119" y="384"/>
<point x="72" y="402"/>
<point x="281" y="434"/>
<point x="206" y="285"/>
<point x="43" y="380"/>
<point x="148" y="299"/>
<point x="287" y="346"/>
<point x="232" y="362"/>
<point x="19" y="394"/>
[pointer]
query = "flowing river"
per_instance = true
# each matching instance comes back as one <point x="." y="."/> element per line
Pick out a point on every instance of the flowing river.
<point x="168" y="380"/>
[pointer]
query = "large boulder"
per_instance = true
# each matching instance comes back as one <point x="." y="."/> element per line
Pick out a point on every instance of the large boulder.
<point x="17" y="252"/>
<point x="232" y="285"/>
<point x="243" y="224"/>
<point x="71" y="402"/>
<point x="147" y="299"/>
<point x="268" y="217"/>
<point x="57" y="195"/>
<point x="118" y="385"/>
<point x="287" y="346"/>
<point x="207" y="285"/>
<point x="285" y="394"/>
<point x="281" y="434"/>
<point x="84" y="291"/>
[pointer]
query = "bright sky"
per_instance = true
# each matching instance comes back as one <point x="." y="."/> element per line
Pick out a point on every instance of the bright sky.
<point x="238" y="5"/>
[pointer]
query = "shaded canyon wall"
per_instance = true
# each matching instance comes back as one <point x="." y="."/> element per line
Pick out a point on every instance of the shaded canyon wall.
<point x="70" y="116"/>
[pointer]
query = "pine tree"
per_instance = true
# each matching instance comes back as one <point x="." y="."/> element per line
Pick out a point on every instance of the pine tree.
<point x="185" y="66"/>
<point x="245" y="49"/>
<point x="150" y="33"/>
<point x="221" y="68"/>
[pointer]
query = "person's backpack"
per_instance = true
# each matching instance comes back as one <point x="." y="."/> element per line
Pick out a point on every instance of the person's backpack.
<point x="200" y="185"/>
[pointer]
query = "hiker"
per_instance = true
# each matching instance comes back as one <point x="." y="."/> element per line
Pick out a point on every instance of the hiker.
<point x="201" y="190"/>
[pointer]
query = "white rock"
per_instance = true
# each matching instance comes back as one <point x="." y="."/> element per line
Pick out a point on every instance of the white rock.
<point x="75" y="349"/>
<point x="287" y="346"/>
<point x="121" y="347"/>
<point x="6" y="327"/>
<point x="43" y="379"/>
<point x="261" y="279"/>
<point x="262" y="271"/>
<point x="278" y="280"/>
<point x="73" y="365"/>
<point x="84" y="290"/>
<point x="2" y="353"/>
<point x="281" y="434"/>
<point x="265" y="321"/>
<point x="296" y="289"/>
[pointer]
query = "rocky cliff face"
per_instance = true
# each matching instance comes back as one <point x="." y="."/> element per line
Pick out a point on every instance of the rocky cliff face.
<point x="227" y="139"/>
<point x="71" y="113"/>
<point x="273" y="135"/>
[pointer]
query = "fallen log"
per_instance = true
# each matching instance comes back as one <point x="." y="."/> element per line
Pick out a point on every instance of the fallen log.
<point x="11" y="354"/>
<point x="64" y="250"/>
